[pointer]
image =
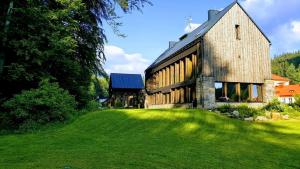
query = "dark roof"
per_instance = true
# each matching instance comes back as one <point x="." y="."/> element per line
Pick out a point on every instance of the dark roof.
<point x="126" y="81"/>
<point x="197" y="33"/>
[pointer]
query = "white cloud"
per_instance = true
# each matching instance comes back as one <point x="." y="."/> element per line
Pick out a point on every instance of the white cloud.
<point x="296" y="27"/>
<point x="261" y="8"/>
<point x="286" y="37"/>
<point x="118" y="61"/>
<point x="190" y="27"/>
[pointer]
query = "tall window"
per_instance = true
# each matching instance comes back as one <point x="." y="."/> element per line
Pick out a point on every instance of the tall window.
<point x="232" y="92"/>
<point x="238" y="92"/>
<point x="257" y="93"/>
<point x="245" y="88"/>
<point x="237" y="32"/>
<point x="219" y="91"/>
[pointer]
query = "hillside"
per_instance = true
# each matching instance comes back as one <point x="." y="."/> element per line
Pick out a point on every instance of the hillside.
<point x="155" y="139"/>
<point x="287" y="65"/>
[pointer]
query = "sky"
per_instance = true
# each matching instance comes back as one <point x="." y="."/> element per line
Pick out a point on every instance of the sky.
<point x="148" y="32"/>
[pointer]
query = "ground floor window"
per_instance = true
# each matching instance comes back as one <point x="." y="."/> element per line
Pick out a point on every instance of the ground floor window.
<point x="238" y="92"/>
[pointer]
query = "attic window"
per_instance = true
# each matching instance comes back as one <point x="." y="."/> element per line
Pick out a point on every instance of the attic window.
<point x="237" y="32"/>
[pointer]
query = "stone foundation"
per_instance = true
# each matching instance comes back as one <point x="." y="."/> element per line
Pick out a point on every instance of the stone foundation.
<point x="205" y="92"/>
<point x="170" y="106"/>
<point x="268" y="91"/>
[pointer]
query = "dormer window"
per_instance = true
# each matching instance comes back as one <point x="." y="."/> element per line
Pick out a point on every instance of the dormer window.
<point x="237" y="32"/>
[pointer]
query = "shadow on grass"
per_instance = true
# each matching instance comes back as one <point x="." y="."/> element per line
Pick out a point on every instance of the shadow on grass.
<point x="155" y="139"/>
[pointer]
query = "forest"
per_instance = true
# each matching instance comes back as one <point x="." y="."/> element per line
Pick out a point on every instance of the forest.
<point x="287" y="65"/>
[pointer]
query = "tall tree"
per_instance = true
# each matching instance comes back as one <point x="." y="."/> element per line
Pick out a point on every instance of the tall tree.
<point x="62" y="40"/>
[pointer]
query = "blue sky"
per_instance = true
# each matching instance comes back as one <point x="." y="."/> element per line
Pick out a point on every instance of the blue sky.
<point x="149" y="32"/>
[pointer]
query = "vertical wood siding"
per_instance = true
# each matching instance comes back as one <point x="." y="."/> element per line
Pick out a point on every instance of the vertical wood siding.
<point x="231" y="60"/>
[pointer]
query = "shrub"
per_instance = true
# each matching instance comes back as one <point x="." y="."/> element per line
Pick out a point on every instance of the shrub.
<point x="92" y="105"/>
<point x="31" y="108"/>
<point x="246" y="111"/>
<point x="118" y="104"/>
<point x="225" y="108"/>
<point x="274" y="105"/>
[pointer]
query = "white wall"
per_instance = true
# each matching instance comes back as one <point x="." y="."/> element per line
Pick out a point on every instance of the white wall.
<point x="286" y="100"/>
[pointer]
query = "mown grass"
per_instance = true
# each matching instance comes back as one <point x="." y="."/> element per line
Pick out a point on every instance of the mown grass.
<point x="155" y="139"/>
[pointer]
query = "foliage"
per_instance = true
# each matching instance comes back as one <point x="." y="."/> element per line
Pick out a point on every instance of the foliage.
<point x="173" y="138"/>
<point x="118" y="103"/>
<point x="274" y="105"/>
<point x="287" y="65"/>
<point x="244" y="110"/>
<point x="226" y="108"/>
<point x="99" y="87"/>
<point x="56" y="39"/>
<point x="92" y="106"/>
<point x="34" y="107"/>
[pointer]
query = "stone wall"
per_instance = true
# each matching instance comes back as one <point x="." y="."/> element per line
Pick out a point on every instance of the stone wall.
<point x="169" y="106"/>
<point x="205" y="92"/>
<point x="268" y="91"/>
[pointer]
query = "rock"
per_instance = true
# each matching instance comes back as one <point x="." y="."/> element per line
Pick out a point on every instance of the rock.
<point x="268" y="114"/>
<point x="276" y="116"/>
<point x="236" y="113"/>
<point x="249" y="119"/>
<point x="285" y="117"/>
<point x="261" y="118"/>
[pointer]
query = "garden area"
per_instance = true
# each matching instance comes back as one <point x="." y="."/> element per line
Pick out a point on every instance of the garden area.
<point x="177" y="138"/>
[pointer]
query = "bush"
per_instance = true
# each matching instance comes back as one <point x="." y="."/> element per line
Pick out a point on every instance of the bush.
<point x="246" y="111"/>
<point x="274" y="105"/>
<point x="118" y="104"/>
<point x="48" y="103"/>
<point x="92" y="105"/>
<point x="225" y="108"/>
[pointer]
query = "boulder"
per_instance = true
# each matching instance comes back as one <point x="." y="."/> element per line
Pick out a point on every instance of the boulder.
<point x="268" y="114"/>
<point x="261" y="118"/>
<point x="235" y="113"/>
<point x="285" y="117"/>
<point x="249" y="119"/>
<point x="275" y="116"/>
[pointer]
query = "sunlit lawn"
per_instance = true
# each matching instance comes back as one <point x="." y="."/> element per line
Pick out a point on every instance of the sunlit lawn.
<point x="155" y="139"/>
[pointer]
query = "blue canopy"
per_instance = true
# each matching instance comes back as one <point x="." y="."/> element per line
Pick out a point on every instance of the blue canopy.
<point x="126" y="81"/>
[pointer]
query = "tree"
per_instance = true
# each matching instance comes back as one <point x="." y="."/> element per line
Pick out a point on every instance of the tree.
<point x="60" y="40"/>
<point x="287" y="65"/>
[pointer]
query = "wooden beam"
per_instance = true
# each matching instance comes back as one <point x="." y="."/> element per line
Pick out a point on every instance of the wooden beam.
<point x="175" y="58"/>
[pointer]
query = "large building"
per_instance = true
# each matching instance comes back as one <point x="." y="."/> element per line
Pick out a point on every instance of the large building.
<point x="225" y="60"/>
<point x="126" y="90"/>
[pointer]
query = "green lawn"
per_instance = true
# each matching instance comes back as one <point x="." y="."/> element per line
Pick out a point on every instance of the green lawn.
<point x="155" y="139"/>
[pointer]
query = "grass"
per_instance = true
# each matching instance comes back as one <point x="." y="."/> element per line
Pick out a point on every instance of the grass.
<point x="155" y="139"/>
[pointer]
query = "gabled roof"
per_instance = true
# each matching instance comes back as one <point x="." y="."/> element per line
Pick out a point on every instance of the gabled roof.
<point x="287" y="91"/>
<point x="279" y="78"/>
<point x="126" y="81"/>
<point x="199" y="32"/>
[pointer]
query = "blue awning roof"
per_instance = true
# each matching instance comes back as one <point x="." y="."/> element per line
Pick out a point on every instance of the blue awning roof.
<point x="126" y="81"/>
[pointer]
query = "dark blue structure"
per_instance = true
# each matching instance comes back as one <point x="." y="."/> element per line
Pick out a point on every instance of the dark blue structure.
<point x="125" y="90"/>
<point x="126" y="81"/>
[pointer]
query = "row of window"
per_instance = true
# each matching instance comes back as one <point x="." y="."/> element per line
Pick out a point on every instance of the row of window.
<point x="238" y="92"/>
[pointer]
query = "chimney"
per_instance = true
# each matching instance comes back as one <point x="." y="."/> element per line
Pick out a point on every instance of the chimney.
<point x="212" y="13"/>
<point x="172" y="43"/>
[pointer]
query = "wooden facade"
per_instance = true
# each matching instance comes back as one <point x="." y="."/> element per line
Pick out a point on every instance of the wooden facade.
<point x="233" y="51"/>
<point x="236" y="60"/>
